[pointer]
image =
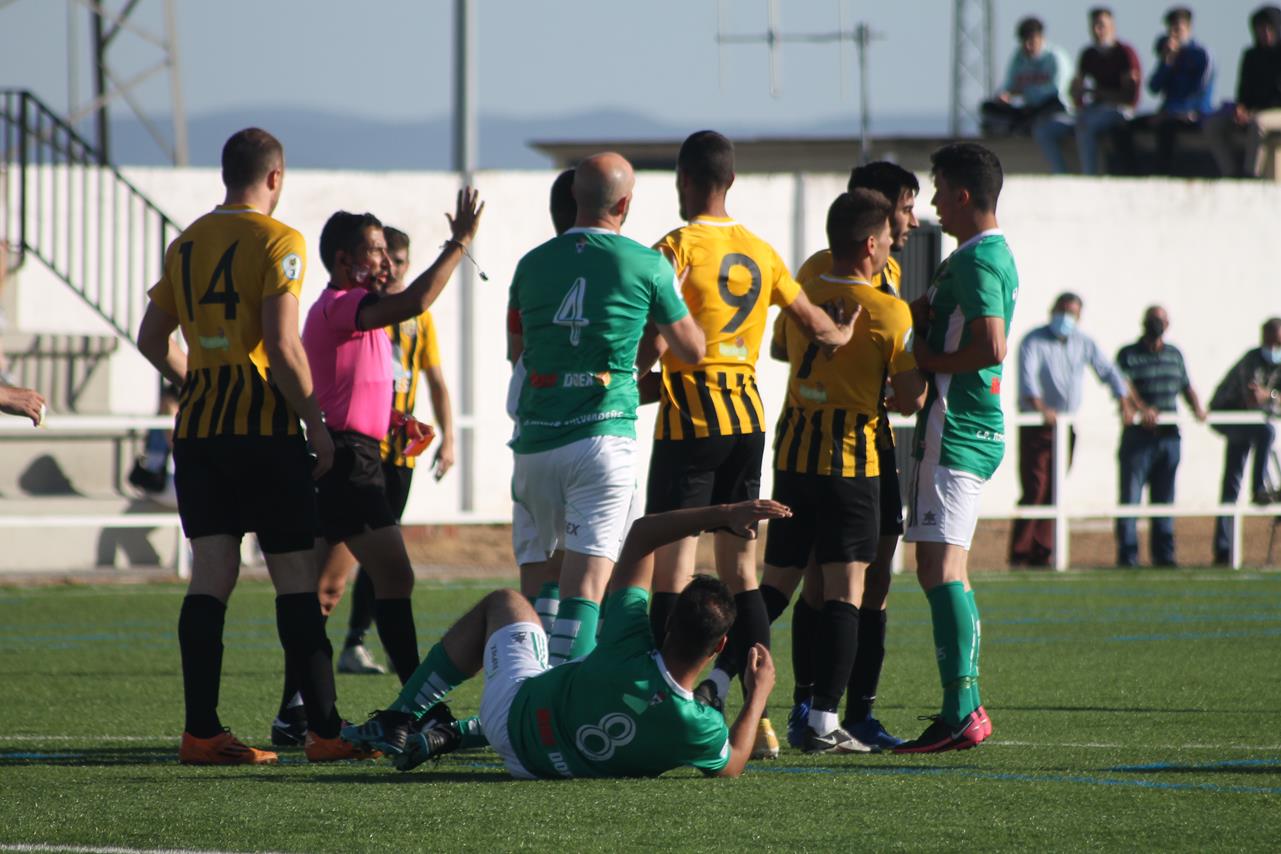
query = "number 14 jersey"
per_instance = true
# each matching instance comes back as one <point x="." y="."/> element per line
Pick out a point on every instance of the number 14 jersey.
<point x="217" y="274"/>
<point x="732" y="277"/>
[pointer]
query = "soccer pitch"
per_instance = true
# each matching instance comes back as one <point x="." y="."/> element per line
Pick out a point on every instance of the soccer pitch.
<point x="1135" y="710"/>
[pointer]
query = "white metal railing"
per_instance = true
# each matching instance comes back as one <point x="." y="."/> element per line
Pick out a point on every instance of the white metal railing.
<point x="1062" y="513"/>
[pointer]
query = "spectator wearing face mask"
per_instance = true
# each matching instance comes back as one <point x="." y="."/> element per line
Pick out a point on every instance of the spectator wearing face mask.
<point x="1149" y="452"/>
<point x="1253" y="384"/>
<point x="1052" y="361"/>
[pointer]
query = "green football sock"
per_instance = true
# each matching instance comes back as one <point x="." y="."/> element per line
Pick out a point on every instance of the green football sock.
<point x="574" y="634"/>
<point x="978" y="642"/>
<point x="954" y="645"/>
<point x="547" y="604"/>
<point x="471" y="733"/>
<point x="429" y="684"/>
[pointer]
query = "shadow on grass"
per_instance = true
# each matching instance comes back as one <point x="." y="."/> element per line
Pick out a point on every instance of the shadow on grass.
<point x="1127" y="710"/>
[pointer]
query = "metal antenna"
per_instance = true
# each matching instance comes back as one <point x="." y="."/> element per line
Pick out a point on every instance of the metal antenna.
<point x="973" y="72"/>
<point x="106" y="25"/>
<point x="860" y="35"/>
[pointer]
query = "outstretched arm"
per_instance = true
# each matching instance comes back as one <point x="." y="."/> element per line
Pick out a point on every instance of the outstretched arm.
<point x="635" y="567"/>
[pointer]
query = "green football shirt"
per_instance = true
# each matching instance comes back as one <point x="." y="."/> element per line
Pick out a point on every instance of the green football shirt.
<point x="617" y="712"/>
<point x="961" y="425"/>
<point x="584" y="299"/>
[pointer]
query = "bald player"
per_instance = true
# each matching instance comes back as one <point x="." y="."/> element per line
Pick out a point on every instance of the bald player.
<point x="583" y="299"/>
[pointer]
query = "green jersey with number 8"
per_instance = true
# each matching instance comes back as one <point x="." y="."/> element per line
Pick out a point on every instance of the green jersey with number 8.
<point x="584" y="299"/>
<point x="616" y="712"/>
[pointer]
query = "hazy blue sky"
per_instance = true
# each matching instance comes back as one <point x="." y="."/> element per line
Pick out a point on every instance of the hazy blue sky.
<point x="391" y="58"/>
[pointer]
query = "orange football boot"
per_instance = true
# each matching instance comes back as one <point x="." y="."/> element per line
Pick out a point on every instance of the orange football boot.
<point x="223" y="749"/>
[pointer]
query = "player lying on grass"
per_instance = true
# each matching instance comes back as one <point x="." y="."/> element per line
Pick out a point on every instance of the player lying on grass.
<point x="625" y="710"/>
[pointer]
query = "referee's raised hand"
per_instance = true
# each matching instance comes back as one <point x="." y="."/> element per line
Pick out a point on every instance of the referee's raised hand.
<point x="466" y="219"/>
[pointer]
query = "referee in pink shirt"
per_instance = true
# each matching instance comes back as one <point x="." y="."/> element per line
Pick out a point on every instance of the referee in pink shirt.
<point x="350" y="356"/>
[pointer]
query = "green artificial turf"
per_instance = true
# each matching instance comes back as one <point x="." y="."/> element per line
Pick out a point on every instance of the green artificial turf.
<point x="1135" y="710"/>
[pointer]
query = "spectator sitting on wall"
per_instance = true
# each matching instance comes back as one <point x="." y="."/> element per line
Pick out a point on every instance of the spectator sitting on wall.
<point x="1257" y="109"/>
<point x="1035" y="85"/>
<point x="1184" y="78"/>
<point x="1252" y="384"/>
<point x="1104" y="92"/>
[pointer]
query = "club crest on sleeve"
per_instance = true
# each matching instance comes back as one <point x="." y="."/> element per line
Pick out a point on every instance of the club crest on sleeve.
<point x="291" y="266"/>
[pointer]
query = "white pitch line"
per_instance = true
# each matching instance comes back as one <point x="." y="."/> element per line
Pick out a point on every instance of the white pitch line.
<point x="101" y="849"/>
<point x="86" y="740"/>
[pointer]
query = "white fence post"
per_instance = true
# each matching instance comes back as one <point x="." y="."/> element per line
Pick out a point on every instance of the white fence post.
<point x="1061" y="556"/>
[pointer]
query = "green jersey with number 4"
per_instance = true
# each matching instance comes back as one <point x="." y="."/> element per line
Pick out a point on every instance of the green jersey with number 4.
<point x="961" y="425"/>
<point x="584" y="299"/>
<point x="616" y="712"/>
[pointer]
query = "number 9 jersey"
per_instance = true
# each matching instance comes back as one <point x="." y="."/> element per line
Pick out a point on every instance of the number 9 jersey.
<point x="217" y="274"/>
<point x="732" y="277"/>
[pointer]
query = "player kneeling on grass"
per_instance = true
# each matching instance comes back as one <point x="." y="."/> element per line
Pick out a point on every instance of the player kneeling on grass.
<point x="627" y="709"/>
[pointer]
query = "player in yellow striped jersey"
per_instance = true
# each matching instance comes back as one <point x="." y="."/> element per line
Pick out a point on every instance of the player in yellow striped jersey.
<point x="827" y="466"/>
<point x="710" y="434"/>
<point x="231" y="281"/>
<point x="901" y="186"/>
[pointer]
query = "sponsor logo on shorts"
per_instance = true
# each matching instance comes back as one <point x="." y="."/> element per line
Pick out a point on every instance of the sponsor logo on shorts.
<point x="929" y="519"/>
<point x="517" y="638"/>
<point x="571" y="528"/>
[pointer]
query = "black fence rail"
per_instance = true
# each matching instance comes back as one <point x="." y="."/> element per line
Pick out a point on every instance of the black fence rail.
<point x="61" y="204"/>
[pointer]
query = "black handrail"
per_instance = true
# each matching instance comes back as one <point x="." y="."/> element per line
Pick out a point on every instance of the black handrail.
<point x="76" y="214"/>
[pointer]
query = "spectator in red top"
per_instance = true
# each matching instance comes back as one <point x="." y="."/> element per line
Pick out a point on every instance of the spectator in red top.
<point x="1257" y="109"/>
<point x="1105" y="92"/>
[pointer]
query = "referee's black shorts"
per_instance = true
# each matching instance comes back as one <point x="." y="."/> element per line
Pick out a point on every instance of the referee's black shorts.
<point x="397" y="480"/>
<point x="891" y="491"/>
<point x="352" y="496"/>
<point x="234" y="485"/>
<point x="835" y="518"/>
<point x="701" y="472"/>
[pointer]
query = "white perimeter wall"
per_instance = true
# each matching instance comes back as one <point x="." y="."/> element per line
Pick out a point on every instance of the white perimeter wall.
<point x="1210" y="252"/>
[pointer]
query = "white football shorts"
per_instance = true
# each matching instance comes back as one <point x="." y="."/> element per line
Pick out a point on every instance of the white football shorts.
<point x="581" y="497"/>
<point x="512" y="654"/>
<point x="943" y="505"/>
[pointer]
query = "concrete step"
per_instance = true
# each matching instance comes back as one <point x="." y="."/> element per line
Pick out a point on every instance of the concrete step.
<point x="89" y="462"/>
<point x="66" y="533"/>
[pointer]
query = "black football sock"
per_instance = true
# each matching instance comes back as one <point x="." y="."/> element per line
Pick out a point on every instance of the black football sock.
<point x="362" y="609"/>
<point x="395" y="621"/>
<point x="292" y="708"/>
<point x="301" y="627"/>
<point x="775" y="602"/>
<point x="837" y="644"/>
<point x="661" y="606"/>
<point x="200" y="640"/>
<point x="867" y="664"/>
<point x="805" y="623"/>
<point x="751" y="626"/>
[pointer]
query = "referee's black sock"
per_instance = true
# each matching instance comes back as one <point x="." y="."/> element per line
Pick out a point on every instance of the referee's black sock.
<point x="661" y="606"/>
<point x="200" y="640"/>
<point x="309" y="654"/>
<point x="775" y="602"/>
<point x="867" y="664"/>
<point x="362" y="609"/>
<point x="395" y="621"/>
<point x="751" y="626"/>
<point x="837" y="646"/>
<point x="805" y="625"/>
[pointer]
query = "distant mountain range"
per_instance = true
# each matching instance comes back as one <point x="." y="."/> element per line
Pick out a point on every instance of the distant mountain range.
<point x="322" y="140"/>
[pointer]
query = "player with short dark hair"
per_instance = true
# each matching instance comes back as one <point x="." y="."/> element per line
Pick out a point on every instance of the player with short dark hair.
<point x="826" y="457"/>
<point x="961" y="328"/>
<point x="350" y="353"/>
<point x="901" y="187"/>
<point x="231" y="280"/>
<point x="627" y="709"/>
<point x="563" y="207"/>
<point x="710" y="434"/>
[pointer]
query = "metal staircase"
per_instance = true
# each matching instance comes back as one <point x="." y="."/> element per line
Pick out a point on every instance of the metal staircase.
<point x="64" y="205"/>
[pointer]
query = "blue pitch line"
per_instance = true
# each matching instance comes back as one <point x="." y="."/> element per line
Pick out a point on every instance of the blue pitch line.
<point x="1208" y="766"/>
<point x="1022" y="778"/>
